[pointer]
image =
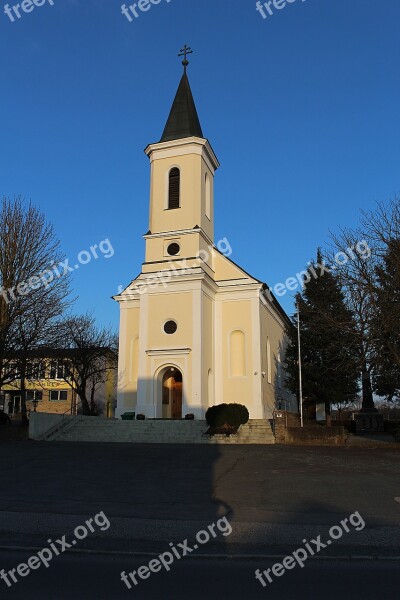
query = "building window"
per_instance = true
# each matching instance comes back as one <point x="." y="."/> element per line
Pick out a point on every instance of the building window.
<point x="59" y="369"/>
<point x="210" y="388"/>
<point x="170" y="327"/>
<point x="35" y="370"/>
<point x="174" y="188"/>
<point x="14" y="370"/>
<point x="208" y="196"/>
<point x="14" y="405"/>
<point x="58" y="395"/>
<point x="173" y="249"/>
<point x="134" y="360"/>
<point x="34" y="395"/>
<point x="238" y="354"/>
<point x="279" y="373"/>
<point x="269" y="362"/>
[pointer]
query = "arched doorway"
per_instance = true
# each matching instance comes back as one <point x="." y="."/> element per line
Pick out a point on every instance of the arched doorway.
<point x="172" y="384"/>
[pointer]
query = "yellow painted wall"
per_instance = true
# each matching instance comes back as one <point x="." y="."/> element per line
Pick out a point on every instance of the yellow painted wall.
<point x="192" y="245"/>
<point x="225" y="269"/>
<point x="273" y="330"/>
<point x="127" y="367"/>
<point x="192" y="197"/>
<point x="208" y="351"/>
<point x="237" y="315"/>
<point x="165" y="307"/>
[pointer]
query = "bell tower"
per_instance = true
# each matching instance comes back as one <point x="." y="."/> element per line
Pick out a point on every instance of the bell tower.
<point x="183" y="164"/>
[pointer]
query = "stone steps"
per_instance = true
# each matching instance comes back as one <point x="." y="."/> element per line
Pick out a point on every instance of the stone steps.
<point x="91" y="429"/>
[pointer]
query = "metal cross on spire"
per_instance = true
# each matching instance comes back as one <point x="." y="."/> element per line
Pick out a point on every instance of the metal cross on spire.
<point x="184" y="52"/>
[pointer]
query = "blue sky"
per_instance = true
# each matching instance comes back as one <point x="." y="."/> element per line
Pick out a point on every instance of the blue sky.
<point x="302" y="109"/>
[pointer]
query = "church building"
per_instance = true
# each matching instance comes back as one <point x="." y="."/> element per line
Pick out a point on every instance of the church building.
<point x="195" y="328"/>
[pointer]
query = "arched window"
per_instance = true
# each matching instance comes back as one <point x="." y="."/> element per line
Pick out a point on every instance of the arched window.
<point x="208" y="196"/>
<point x="174" y="188"/>
<point x="269" y="362"/>
<point x="134" y="360"/>
<point x="210" y="388"/>
<point x="279" y="371"/>
<point x="238" y="354"/>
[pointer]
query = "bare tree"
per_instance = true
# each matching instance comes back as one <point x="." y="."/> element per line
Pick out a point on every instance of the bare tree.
<point x="359" y="277"/>
<point x="92" y="356"/>
<point x="382" y="225"/>
<point x="34" y="293"/>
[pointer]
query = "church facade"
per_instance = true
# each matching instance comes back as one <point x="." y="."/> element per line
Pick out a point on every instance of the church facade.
<point x="195" y="328"/>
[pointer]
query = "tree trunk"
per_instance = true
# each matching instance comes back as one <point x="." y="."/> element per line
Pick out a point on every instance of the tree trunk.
<point x="367" y="396"/>
<point x="24" y="413"/>
<point x="93" y="407"/>
<point x="85" y="404"/>
<point x="328" y="413"/>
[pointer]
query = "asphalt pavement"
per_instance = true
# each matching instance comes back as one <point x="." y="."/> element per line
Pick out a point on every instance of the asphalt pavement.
<point x="113" y="507"/>
<point x="98" y="577"/>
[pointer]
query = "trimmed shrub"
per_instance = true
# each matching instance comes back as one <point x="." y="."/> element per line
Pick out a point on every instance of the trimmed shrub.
<point x="141" y="418"/>
<point x="237" y="414"/>
<point x="233" y="415"/>
<point x="212" y="415"/>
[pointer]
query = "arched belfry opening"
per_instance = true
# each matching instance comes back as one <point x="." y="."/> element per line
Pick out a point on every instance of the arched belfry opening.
<point x="174" y="189"/>
<point x="172" y="388"/>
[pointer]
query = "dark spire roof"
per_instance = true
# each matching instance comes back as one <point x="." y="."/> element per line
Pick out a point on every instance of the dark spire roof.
<point x="183" y="120"/>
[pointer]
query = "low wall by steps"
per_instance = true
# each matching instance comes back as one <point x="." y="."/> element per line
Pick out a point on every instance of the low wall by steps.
<point x="94" y="429"/>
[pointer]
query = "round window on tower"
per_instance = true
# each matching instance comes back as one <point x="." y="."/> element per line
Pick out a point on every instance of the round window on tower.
<point x="170" y="327"/>
<point x="173" y="249"/>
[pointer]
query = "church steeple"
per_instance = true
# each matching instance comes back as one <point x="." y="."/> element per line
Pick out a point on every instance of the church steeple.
<point x="183" y="120"/>
<point x="183" y="165"/>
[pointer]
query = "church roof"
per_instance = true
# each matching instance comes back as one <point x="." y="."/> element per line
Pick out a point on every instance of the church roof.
<point x="183" y="120"/>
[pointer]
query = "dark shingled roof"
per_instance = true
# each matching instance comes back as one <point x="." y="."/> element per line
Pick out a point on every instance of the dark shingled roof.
<point x="183" y="120"/>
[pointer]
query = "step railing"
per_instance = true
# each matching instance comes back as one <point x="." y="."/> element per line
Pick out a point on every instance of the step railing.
<point x="63" y="423"/>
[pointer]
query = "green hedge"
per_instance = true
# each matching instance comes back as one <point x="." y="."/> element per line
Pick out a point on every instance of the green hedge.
<point x="227" y="414"/>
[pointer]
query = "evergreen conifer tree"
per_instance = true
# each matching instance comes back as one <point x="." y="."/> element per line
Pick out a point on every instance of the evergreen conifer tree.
<point x="328" y="341"/>
<point x="386" y="325"/>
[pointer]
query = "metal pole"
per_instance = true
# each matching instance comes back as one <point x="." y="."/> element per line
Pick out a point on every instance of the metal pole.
<point x="300" y="372"/>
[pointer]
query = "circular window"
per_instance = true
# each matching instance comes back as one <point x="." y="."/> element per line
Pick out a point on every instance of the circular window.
<point x="170" y="327"/>
<point x="173" y="249"/>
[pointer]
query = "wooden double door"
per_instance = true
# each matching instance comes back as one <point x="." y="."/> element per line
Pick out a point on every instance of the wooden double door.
<point x="176" y="400"/>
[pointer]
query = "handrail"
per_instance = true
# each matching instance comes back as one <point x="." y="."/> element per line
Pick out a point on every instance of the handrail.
<point x="62" y="422"/>
<point x="69" y="412"/>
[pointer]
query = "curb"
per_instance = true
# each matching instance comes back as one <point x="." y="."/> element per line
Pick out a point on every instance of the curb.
<point x="344" y="557"/>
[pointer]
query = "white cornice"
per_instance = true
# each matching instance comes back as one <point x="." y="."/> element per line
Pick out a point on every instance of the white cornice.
<point x="163" y="234"/>
<point x="195" y="145"/>
<point x="168" y="351"/>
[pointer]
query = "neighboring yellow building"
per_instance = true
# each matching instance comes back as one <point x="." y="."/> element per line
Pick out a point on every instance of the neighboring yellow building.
<point x="195" y="328"/>
<point x="46" y="384"/>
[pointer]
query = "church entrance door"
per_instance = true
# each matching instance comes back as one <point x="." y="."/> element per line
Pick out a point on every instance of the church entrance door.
<point x="172" y="394"/>
<point x="177" y="400"/>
